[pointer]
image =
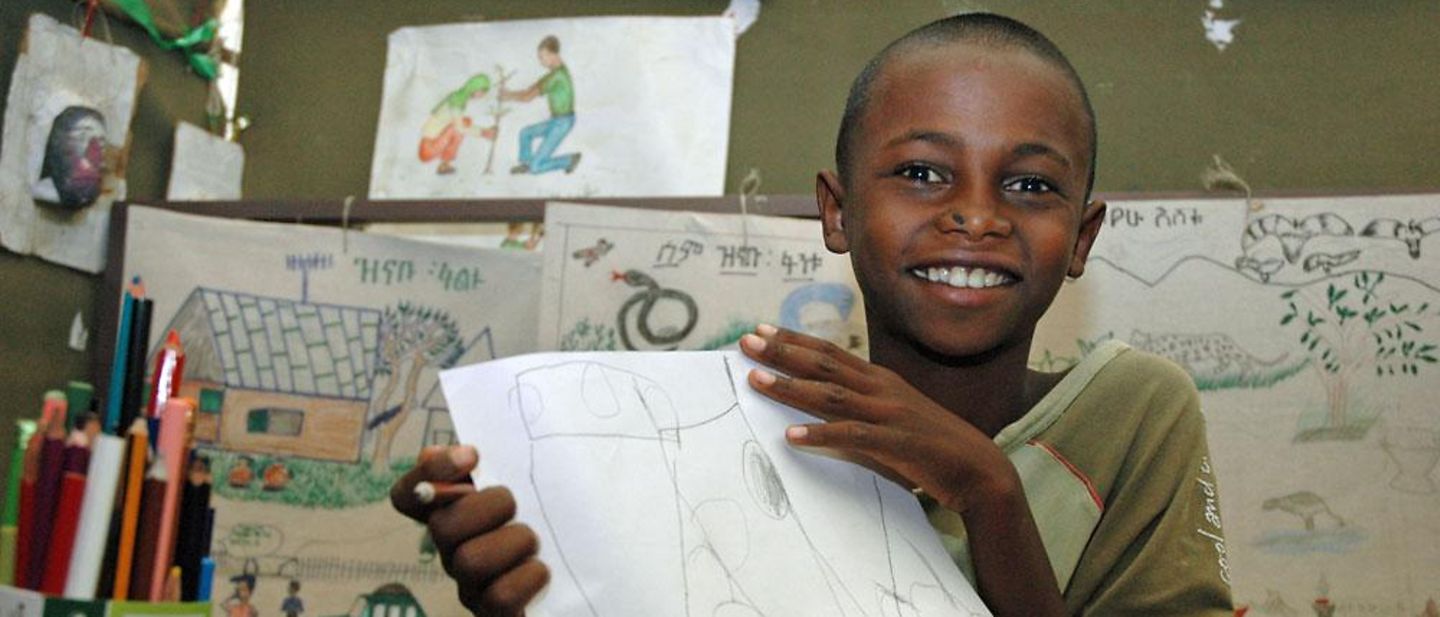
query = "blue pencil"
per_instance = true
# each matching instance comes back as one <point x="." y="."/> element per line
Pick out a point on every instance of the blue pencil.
<point x="116" y="399"/>
<point x="207" y="574"/>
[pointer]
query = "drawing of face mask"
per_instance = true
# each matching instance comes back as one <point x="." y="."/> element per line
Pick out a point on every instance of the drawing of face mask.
<point x="74" y="158"/>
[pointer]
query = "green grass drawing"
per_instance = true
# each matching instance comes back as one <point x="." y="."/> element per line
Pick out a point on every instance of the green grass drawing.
<point x="324" y="485"/>
<point x="587" y="336"/>
<point x="729" y="334"/>
<point x="1252" y="381"/>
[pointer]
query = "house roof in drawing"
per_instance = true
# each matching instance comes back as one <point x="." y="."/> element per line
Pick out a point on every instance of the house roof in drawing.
<point x="277" y="344"/>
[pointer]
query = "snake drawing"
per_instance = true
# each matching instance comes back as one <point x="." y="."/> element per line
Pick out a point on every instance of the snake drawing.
<point x="645" y="301"/>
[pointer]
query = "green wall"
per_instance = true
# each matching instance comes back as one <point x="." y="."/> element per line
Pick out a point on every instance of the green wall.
<point x="1313" y="95"/>
<point x="41" y="299"/>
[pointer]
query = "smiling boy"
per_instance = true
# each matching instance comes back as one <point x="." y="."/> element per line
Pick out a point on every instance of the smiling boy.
<point x="964" y="166"/>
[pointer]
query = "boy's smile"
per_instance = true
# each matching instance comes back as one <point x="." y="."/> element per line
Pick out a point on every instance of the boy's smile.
<point x="964" y="202"/>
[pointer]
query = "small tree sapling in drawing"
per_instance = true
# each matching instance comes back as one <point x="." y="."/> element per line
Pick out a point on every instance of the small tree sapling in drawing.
<point x="1351" y="330"/>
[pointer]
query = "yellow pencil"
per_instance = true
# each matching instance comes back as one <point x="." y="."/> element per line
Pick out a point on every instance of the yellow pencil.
<point x="129" y="517"/>
<point x="172" y="586"/>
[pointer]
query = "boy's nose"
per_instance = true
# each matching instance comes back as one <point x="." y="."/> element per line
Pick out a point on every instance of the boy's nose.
<point x="976" y="216"/>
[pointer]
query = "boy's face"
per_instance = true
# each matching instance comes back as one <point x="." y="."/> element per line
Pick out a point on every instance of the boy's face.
<point x="966" y="157"/>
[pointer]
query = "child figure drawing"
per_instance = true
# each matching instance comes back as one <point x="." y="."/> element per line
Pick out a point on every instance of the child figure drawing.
<point x="964" y="165"/>
<point x="447" y="125"/>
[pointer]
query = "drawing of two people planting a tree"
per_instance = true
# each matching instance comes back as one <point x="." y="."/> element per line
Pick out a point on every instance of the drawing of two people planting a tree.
<point x="447" y="125"/>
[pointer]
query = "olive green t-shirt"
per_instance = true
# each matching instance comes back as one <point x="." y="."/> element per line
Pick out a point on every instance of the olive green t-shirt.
<point x="1118" y="477"/>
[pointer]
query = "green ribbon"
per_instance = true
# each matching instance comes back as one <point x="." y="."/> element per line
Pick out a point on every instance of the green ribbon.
<point x="188" y="44"/>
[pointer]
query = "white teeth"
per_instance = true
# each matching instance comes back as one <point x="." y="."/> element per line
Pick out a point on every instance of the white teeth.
<point x="958" y="276"/>
<point x="977" y="278"/>
<point x="972" y="278"/>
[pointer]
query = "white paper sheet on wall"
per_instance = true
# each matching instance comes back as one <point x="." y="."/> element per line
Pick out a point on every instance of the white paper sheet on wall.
<point x="313" y="354"/>
<point x="579" y="107"/>
<point x="205" y="167"/>
<point x="661" y="484"/>
<point x="1311" y="328"/>
<point x="621" y="278"/>
<point x="67" y="124"/>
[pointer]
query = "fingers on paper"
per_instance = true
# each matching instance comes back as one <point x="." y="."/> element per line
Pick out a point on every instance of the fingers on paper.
<point x="806" y="357"/>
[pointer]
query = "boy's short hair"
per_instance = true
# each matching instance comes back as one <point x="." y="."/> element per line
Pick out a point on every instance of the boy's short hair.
<point x="986" y="29"/>
<point x="550" y="44"/>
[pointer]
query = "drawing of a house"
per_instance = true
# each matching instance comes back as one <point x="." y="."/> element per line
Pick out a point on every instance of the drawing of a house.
<point x="439" y="428"/>
<point x="277" y="376"/>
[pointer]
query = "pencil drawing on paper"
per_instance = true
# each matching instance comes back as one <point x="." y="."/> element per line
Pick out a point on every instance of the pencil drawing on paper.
<point x="720" y="521"/>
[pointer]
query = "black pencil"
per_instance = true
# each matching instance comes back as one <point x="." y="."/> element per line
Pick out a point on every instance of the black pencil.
<point x="135" y="363"/>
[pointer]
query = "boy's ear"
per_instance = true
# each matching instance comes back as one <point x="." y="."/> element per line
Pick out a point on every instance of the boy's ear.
<point x="1090" y="222"/>
<point x="830" y="196"/>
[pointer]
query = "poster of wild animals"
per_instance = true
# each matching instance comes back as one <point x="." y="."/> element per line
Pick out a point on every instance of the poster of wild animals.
<point x="67" y="125"/>
<point x="586" y="107"/>
<point x="313" y="354"/>
<point x="1312" y="329"/>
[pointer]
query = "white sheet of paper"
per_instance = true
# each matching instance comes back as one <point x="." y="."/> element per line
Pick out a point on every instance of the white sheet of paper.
<point x="661" y="484"/>
<point x="205" y="167"/>
<point x="59" y="70"/>
<point x="626" y="278"/>
<point x="649" y="109"/>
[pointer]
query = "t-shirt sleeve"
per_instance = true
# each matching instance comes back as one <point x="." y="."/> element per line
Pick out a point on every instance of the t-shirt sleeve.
<point x="1160" y="549"/>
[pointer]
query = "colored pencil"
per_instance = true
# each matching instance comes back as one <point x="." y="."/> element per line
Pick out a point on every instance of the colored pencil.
<point x="10" y="518"/>
<point x="135" y="466"/>
<point x="152" y="502"/>
<point x="174" y="428"/>
<point x="191" y="544"/>
<point x="67" y="514"/>
<point x="53" y="408"/>
<point x="441" y="493"/>
<point x="171" y="591"/>
<point x="116" y="390"/>
<point x="47" y="493"/>
<point x="133" y="404"/>
<point x="165" y="378"/>
<point x="103" y="477"/>
<point x="78" y="398"/>
<point x="207" y="579"/>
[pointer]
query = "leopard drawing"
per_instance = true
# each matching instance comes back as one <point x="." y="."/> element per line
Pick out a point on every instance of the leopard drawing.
<point x="1211" y="355"/>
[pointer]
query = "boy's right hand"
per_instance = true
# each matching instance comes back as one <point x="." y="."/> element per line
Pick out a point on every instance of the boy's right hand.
<point x="492" y="559"/>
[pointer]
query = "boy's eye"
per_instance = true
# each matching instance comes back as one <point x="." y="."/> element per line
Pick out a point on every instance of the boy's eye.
<point x="1029" y="184"/>
<point x="923" y="174"/>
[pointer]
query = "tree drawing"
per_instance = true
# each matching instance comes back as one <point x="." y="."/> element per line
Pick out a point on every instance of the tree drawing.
<point x="412" y="339"/>
<point x="498" y="109"/>
<point x="1352" y="330"/>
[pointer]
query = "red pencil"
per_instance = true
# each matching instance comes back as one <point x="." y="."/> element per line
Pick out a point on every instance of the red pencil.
<point x="67" y="514"/>
<point x="165" y="379"/>
<point x="47" y="495"/>
<point x="55" y="404"/>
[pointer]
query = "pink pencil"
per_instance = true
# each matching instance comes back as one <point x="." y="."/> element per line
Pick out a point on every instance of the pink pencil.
<point x="171" y="447"/>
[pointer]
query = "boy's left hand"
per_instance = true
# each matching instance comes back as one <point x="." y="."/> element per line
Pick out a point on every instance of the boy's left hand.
<point x="877" y="419"/>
